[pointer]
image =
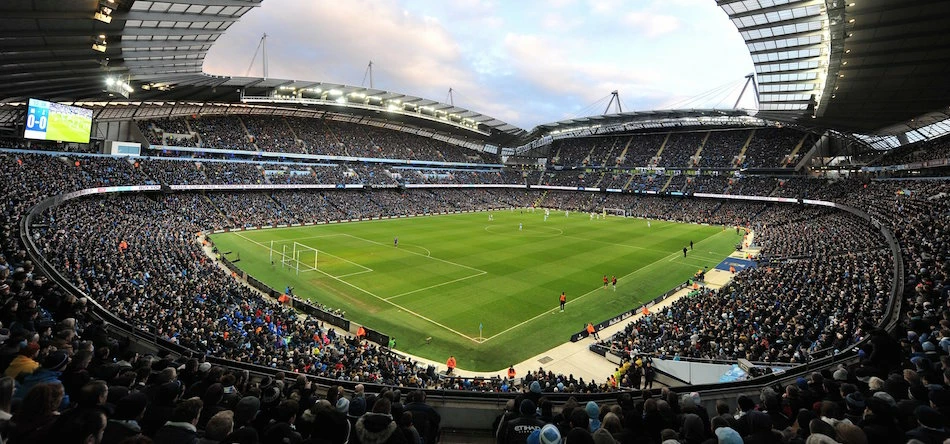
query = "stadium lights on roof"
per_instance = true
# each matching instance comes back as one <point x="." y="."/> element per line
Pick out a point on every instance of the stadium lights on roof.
<point x="104" y="13"/>
<point x="340" y="100"/>
<point x="335" y="92"/>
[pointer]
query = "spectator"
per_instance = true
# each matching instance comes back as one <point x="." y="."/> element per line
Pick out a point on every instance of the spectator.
<point x="125" y="422"/>
<point x="181" y="428"/>
<point x="424" y="417"/>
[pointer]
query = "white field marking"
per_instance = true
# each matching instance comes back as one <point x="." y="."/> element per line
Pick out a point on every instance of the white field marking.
<point x="428" y="253"/>
<point x="596" y="290"/>
<point x="384" y="300"/>
<point x="697" y="255"/>
<point x="354" y="273"/>
<point x="420" y="254"/>
<point x="436" y="285"/>
<point x="284" y="242"/>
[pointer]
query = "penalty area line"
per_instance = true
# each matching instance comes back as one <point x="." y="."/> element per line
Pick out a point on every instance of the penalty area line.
<point x="433" y="322"/>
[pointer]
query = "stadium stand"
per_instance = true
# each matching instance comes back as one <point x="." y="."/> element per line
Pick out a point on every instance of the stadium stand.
<point x="772" y="148"/>
<point x="127" y="281"/>
<point x="721" y="148"/>
<point x="680" y="148"/>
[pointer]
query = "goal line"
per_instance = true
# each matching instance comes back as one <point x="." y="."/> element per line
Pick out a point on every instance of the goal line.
<point x="615" y="212"/>
<point x="296" y="256"/>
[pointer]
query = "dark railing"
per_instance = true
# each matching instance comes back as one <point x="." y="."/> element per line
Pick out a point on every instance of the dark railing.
<point x="479" y="400"/>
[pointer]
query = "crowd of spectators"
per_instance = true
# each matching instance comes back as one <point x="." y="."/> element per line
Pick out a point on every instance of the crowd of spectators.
<point x="917" y="152"/>
<point x="575" y="152"/>
<point x="272" y="134"/>
<point x="680" y="149"/>
<point x="642" y="148"/>
<point x="721" y="148"/>
<point x="824" y="282"/>
<point x="769" y="148"/>
<point x="167" y="131"/>
<point x="224" y="132"/>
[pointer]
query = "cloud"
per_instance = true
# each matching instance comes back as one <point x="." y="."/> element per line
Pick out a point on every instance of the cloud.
<point x="653" y="25"/>
<point x="525" y="63"/>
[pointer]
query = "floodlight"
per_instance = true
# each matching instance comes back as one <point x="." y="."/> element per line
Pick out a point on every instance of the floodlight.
<point x="340" y="100"/>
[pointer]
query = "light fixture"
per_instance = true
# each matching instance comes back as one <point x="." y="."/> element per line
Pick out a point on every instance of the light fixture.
<point x="117" y="85"/>
<point x="99" y="44"/>
<point x="104" y="13"/>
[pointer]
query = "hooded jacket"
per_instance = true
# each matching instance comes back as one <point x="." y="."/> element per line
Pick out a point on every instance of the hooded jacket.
<point x="377" y="428"/>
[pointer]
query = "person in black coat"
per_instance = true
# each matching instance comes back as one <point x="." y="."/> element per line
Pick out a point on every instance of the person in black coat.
<point x="424" y="417"/>
<point x="181" y="429"/>
<point x="378" y="427"/>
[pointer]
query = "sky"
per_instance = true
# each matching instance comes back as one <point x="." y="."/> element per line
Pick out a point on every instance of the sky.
<point x="525" y="62"/>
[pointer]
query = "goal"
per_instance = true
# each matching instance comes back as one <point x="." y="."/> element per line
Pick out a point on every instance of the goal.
<point x="615" y="212"/>
<point x="296" y="256"/>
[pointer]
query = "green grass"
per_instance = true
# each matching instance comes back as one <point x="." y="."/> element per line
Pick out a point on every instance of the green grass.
<point x="452" y="272"/>
<point x="68" y="128"/>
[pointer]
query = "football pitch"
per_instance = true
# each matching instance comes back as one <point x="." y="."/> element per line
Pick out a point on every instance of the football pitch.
<point x="452" y="274"/>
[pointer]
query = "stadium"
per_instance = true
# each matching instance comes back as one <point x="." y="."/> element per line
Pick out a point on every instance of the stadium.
<point x="188" y="256"/>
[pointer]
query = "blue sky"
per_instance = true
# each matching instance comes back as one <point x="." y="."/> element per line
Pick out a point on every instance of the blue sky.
<point x="524" y="62"/>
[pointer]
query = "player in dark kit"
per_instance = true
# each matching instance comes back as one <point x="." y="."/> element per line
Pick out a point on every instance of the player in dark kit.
<point x="684" y="251"/>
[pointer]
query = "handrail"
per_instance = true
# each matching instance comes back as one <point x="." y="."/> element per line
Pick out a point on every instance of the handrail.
<point x="888" y="321"/>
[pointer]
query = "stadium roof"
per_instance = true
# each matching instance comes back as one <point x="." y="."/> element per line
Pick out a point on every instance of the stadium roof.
<point x="675" y="116"/>
<point x="66" y="50"/>
<point x="864" y="66"/>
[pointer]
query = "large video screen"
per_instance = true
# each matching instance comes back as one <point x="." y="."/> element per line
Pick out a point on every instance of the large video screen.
<point x="55" y="121"/>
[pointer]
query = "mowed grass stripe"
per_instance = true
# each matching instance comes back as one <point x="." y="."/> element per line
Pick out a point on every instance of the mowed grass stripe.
<point x="523" y="275"/>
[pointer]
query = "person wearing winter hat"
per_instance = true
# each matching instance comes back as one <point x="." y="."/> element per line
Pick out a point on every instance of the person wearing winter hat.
<point x="517" y="429"/>
<point x="24" y="362"/>
<point x="728" y="435"/>
<point x="49" y="373"/>
<point x="550" y="434"/>
<point x="245" y="412"/>
<point x="534" y="437"/>
<point x="343" y="405"/>
<point x="593" y="412"/>
<point x="357" y="408"/>
<point x="534" y="392"/>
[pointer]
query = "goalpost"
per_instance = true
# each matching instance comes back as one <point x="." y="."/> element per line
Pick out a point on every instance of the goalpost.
<point x="615" y="212"/>
<point x="296" y="256"/>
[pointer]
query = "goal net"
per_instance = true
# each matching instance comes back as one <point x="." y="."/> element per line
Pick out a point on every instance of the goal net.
<point x="297" y="257"/>
<point x="615" y="212"/>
